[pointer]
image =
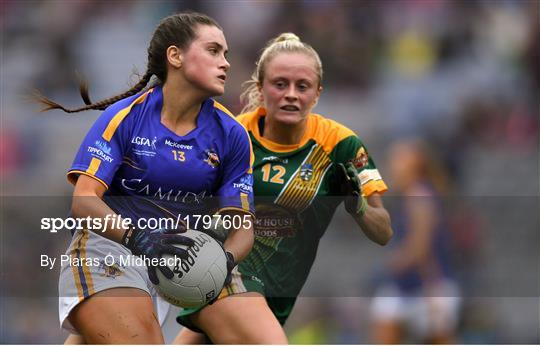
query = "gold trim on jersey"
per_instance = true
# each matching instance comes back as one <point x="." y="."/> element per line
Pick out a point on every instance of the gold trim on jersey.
<point x="373" y="186"/>
<point x="245" y="211"/>
<point x="73" y="179"/>
<point x="94" y="166"/>
<point x="251" y="154"/>
<point x="118" y="117"/>
<point x="298" y="193"/>
<point x="326" y="132"/>
<point x="132" y="165"/>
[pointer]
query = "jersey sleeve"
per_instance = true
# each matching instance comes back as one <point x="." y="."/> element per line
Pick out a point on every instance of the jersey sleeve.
<point x="101" y="151"/>
<point x="236" y="190"/>
<point x="351" y="149"/>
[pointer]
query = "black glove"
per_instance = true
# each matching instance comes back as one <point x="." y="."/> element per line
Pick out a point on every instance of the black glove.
<point x="230" y="265"/>
<point x="155" y="243"/>
<point x="351" y="188"/>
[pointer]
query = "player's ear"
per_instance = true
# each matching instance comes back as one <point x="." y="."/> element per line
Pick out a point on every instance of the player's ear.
<point x="317" y="97"/>
<point x="174" y="56"/>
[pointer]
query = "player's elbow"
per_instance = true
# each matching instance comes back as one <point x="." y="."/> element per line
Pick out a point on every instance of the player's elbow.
<point x="386" y="236"/>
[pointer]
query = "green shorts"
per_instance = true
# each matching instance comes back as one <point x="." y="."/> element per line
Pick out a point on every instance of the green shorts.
<point x="242" y="283"/>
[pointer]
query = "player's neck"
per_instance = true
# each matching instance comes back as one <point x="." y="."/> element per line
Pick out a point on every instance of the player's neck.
<point x="179" y="113"/>
<point x="281" y="133"/>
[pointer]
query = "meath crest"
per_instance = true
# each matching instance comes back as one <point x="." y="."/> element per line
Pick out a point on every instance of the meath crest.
<point x="306" y="171"/>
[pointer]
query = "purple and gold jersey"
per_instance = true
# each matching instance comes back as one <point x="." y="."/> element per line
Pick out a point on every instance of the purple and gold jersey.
<point x="158" y="173"/>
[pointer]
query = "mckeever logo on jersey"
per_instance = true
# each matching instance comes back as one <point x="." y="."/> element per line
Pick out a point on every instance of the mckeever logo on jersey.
<point x="132" y="153"/>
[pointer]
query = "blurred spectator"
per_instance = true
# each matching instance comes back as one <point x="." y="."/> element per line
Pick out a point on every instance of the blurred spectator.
<point x="417" y="299"/>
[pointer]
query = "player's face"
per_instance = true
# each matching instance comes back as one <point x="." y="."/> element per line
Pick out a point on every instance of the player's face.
<point x="290" y="87"/>
<point x="204" y="62"/>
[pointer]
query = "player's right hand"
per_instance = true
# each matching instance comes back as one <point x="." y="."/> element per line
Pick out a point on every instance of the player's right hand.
<point x="155" y="243"/>
<point x="351" y="188"/>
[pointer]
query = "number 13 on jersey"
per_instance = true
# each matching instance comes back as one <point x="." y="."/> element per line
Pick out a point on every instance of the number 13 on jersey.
<point x="179" y="155"/>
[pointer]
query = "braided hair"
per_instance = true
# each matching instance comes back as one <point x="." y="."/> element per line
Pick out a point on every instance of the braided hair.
<point x="177" y="29"/>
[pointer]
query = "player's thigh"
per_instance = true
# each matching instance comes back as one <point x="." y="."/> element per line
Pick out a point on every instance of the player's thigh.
<point x="188" y="337"/>
<point x="117" y="315"/>
<point x="240" y="319"/>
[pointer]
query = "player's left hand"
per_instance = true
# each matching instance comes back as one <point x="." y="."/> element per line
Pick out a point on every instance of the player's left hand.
<point x="351" y="188"/>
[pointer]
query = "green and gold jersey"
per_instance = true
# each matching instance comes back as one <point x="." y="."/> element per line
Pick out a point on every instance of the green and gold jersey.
<point x="292" y="187"/>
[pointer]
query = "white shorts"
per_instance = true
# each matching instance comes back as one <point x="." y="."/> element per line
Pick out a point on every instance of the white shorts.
<point x="435" y="311"/>
<point x="96" y="264"/>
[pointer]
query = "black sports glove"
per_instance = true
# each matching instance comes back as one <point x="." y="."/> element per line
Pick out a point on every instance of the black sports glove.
<point x="351" y="188"/>
<point x="231" y="263"/>
<point x="155" y="243"/>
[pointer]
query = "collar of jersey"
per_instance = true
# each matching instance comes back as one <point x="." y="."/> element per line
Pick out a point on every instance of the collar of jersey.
<point x="206" y="109"/>
<point x="277" y="147"/>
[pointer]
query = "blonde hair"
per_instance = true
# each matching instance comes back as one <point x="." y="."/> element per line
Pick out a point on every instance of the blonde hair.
<point x="285" y="43"/>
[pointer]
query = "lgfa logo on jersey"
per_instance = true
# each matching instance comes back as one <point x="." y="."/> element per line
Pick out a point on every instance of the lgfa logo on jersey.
<point x="144" y="141"/>
<point x="212" y="158"/>
<point x="306" y="171"/>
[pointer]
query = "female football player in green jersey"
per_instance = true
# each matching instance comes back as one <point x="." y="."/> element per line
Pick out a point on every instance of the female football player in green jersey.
<point x="301" y="159"/>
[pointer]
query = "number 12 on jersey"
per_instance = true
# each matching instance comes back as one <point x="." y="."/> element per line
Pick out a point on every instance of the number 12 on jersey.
<point x="277" y="177"/>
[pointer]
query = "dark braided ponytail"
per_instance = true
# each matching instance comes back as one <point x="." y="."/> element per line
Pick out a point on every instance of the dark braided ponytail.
<point x="175" y="30"/>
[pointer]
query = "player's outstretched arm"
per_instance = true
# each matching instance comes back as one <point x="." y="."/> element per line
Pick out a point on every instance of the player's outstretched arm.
<point x="375" y="222"/>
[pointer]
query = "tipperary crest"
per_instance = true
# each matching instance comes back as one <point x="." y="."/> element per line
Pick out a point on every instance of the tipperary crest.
<point x="212" y="158"/>
<point x="306" y="171"/>
<point x="361" y="159"/>
<point x="110" y="270"/>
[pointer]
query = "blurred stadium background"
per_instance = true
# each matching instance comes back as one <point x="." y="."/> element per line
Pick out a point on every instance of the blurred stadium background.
<point x="462" y="75"/>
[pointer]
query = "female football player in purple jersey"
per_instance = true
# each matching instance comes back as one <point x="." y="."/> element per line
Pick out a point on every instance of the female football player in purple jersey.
<point x="159" y="148"/>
